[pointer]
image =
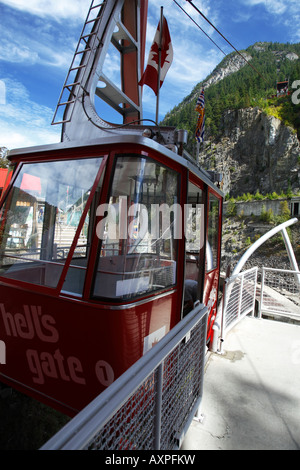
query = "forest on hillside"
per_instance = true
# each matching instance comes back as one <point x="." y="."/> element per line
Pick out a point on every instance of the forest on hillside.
<point x="244" y="88"/>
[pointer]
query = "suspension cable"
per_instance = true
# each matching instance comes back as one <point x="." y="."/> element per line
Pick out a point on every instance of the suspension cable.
<point x="198" y="26"/>
<point x="210" y="23"/>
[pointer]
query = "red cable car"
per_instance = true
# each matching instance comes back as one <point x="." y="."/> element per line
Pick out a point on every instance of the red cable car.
<point x="106" y="244"/>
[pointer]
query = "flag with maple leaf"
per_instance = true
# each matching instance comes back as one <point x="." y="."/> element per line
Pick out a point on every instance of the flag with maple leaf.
<point x="150" y="75"/>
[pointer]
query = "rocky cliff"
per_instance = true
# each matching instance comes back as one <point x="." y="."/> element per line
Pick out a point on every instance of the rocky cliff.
<point x="255" y="151"/>
<point x="250" y="134"/>
<point x="231" y="64"/>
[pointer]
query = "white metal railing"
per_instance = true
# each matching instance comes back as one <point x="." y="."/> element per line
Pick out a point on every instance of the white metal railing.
<point x="151" y="406"/>
<point x="238" y="299"/>
<point x="240" y="289"/>
<point x="280" y="292"/>
<point x="278" y="229"/>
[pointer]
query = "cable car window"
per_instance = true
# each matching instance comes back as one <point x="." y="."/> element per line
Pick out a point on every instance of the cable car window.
<point x="194" y="244"/>
<point x="138" y="231"/>
<point x="213" y="233"/>
<point x="40" y="217"/>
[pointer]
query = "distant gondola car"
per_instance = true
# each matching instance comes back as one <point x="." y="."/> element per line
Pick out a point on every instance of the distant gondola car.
<point x="282" y="88"/>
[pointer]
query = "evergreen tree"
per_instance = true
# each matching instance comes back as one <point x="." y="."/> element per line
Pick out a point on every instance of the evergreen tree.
<point x="244" y="88"/>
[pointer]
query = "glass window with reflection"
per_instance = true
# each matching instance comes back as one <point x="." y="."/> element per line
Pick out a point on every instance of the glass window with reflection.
<point x="194" y="244"/>
<point x="213" y="233"/>
<point x="40" y="217"/>
<point x="138" y="229"/>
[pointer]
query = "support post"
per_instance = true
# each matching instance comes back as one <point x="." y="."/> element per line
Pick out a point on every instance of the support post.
<point x="159" y="64"/>
<point x="291" y="254"/>
<point x="158" y="404"/>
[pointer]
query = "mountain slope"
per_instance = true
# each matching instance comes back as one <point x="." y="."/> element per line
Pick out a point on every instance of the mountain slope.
<point x="255" y="152"/>
<point x="235" y="85"/>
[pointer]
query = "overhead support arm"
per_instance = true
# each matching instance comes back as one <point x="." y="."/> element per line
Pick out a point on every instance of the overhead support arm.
<point x="121" y="23"/>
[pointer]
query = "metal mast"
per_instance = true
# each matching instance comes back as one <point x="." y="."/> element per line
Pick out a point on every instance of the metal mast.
<point x="121" y="23"/>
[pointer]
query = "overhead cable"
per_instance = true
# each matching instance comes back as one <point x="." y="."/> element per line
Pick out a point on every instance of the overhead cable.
<point x="199" y="27"/>
<point x="210" y="23"/>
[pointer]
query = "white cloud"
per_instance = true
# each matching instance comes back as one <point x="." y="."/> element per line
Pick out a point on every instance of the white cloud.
<point x="23" y="122"/>
<point x="13" y="137"/>
<point x="11" y="51"/>
<point x="284" y="12"/>
<point x="2" y="92"/>
<point x="36" y="43"/>
<point x="277" y="7"/>
<point x="62" y="9"/>
<point x="273" y="6"/>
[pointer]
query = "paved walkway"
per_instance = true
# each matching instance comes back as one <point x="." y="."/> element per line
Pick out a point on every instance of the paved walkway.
<point x="251" y="398"/>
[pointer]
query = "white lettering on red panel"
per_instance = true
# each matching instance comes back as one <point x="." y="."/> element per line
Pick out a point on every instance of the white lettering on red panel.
<point x="33" y="324"/>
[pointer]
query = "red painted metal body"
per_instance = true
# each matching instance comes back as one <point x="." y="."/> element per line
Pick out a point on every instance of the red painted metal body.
<point x="65" y="347"/>
<point x="64" y="352"/>
<point x="85" y="290"/>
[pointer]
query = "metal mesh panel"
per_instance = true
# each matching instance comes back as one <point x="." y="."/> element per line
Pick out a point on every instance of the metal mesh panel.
<point x="182" y="386"/>
<point x="280" y="292"/>
<point x="133" y="425"/>
<point x="152" y="404"/>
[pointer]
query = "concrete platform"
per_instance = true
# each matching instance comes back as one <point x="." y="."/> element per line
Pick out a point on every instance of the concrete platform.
<point x="251" y="398"/>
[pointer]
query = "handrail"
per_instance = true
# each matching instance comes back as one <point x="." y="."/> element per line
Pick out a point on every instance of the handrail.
<point x="262" y="239"/>
<point x="84" y="427"/>
<point x="280" y="292"/>
<point x="242" y="302"/>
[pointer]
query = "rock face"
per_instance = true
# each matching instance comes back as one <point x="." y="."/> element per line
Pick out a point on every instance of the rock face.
<point x="256" y="152"/>
<point x="232" y="64"/>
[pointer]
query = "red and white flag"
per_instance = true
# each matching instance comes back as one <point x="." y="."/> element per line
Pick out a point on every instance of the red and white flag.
<point x="150" y="76"/>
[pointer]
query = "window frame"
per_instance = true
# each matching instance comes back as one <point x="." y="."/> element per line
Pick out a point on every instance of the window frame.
<point x="198" y="183"/>
<point x="216" y="254"/>
<point x="55" y="290"/>
<point x="171" y="165"/>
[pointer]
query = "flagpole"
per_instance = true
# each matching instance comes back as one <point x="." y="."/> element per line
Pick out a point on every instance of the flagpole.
<point x="197" y="151"/>
<point x="159" y="64"/>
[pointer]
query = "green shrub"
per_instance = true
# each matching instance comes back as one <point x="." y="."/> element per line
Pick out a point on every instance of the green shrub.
<point x="231" y="208"/>
<point x="248" y="241"/>
<point x="267" y="215"/>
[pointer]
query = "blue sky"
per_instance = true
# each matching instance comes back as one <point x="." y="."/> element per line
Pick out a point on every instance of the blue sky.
<point x="38" y="39"/>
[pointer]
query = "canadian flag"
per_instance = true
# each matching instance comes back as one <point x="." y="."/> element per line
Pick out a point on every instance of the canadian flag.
<point x="150" y="76"/>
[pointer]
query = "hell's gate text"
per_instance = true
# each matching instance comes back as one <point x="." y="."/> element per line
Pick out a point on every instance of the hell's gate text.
<point x="33" y="324"/>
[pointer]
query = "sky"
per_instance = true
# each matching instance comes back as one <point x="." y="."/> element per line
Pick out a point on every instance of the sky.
<point x="38" y="39"/>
